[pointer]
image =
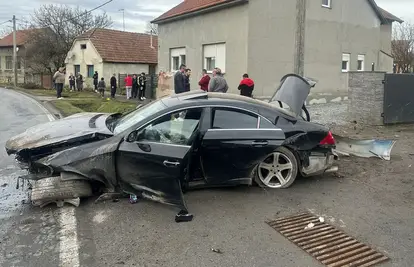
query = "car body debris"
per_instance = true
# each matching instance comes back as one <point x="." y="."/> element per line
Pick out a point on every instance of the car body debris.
<point x="364" y="148"/>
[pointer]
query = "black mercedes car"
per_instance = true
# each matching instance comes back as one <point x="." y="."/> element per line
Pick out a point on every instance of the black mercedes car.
<point x="184" y="141"/>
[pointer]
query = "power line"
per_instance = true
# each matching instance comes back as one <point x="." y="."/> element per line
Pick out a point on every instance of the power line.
<point x="5" y="22"/>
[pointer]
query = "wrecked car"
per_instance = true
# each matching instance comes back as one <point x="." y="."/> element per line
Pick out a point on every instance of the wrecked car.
<point x="191" y="140"/>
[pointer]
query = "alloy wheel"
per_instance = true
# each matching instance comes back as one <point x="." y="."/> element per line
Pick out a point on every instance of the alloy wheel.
<point x="276" y="170"/>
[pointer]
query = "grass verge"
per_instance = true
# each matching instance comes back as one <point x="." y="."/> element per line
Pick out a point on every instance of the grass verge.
<point x="69" y="107"/>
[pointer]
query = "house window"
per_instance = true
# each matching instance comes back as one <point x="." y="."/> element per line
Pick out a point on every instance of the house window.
<point x="345" y="62"/>
<point x="77" y="69"/>
<point x="83" y="46"/>
<point x="361" y="62"/>
<point x="326" y="3"/>
<point x="214" y="56"/>
<point x="9" y="63"/>
<point x="90" y="71"/>
<point x="178" y="57"/>
<point x="183" y="58"/>
<point x="19" y="63"/>
<point x="210" y="63"/>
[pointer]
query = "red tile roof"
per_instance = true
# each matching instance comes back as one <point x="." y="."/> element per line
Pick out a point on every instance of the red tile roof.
<point x="123" y="47"/>
<point x="188" y="6"/>
<point x="21" y="38"/>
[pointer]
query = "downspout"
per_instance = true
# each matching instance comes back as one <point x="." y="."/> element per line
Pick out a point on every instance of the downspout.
<point x="299" y="56"/>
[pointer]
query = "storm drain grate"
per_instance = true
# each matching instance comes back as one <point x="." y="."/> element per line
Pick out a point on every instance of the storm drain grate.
<point x="324" y="242"/>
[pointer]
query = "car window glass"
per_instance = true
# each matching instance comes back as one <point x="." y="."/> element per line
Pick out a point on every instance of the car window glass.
<point x="176" y="128"/>
<point x="233" y="119"/>
<point x="265" y="124"/>
<point x="138" y="115"/>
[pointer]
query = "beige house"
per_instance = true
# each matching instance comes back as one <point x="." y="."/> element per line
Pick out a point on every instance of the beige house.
<point x="112" y="52"/>
<point x="322" y="39"/>
<point x="6" y="56"/>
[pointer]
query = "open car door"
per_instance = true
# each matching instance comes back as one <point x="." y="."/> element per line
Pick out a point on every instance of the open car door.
<point x="153" y="160"/>
<point x="293" y="91"/>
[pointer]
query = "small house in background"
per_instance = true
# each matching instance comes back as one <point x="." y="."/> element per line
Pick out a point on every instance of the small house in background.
<point x="25" y="72"/>
<point x="110" y="51"/>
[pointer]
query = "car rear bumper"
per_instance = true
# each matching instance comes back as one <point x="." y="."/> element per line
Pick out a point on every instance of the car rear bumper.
<point x="319" y="163"/>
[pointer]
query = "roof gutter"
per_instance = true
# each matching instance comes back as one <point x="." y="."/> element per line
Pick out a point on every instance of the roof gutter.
<point x="227" y="4"/>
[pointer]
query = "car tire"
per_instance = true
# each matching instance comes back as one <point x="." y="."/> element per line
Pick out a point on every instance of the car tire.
<point x="54" y="188"/>
<point x="286" y="158"/>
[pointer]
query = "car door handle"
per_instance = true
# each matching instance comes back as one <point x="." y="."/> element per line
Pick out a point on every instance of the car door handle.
<point x="171" y="164"/>
<point x="260" y="143"/>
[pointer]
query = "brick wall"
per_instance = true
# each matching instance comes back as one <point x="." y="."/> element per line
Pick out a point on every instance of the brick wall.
<point x="366" y="97"/>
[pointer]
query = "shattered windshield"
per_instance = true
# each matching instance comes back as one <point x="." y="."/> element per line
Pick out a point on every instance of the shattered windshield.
<point x="138" y="115"/>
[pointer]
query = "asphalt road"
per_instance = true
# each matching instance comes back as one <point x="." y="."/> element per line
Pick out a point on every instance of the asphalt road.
<point x="372" y="202"/>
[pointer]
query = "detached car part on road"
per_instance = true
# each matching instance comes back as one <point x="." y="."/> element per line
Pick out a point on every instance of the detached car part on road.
<point x="184" y="141"/>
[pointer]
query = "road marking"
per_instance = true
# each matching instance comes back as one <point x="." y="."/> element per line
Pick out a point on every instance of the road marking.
<point x="68" y="240"/>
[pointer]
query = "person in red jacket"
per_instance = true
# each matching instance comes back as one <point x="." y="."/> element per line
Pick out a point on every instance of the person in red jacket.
<point x="205" y="80"/>
<point x="246" y="86"/>
<point x="128" y="86"/>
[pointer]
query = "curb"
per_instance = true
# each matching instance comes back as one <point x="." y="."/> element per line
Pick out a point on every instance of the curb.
<point x="46" y="105"/>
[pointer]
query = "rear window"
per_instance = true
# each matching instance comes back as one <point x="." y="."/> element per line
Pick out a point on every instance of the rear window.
<point x="234" y="119"/>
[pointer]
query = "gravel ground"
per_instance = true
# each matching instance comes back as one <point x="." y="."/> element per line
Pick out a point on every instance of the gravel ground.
<point x="329" y="114"/>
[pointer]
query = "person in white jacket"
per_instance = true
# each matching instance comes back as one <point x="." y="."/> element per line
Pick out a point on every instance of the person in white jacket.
<point x="59" y="78"/>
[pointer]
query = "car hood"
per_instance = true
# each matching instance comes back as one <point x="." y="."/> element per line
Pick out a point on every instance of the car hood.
<point x="73" y="128"/>
<point x="293" y="91"/>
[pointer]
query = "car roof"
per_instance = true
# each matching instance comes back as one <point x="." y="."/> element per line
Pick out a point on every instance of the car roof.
<point x="202" y="97"/>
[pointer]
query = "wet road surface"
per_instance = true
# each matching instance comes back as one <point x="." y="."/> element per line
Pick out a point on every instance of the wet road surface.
<point x="372" y="202"/>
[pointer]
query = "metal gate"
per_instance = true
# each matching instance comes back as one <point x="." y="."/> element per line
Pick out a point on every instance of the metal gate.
<point x="398" y="98"/>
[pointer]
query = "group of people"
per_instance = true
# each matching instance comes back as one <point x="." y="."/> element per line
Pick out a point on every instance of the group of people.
<point x="135" y="86"/>
<point x="216" y="83"/>
<point x="76" y="82"/>
<point x="100" y="86"/>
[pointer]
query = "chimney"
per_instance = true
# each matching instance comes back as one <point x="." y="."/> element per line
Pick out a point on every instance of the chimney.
<point x="151" y="41"/>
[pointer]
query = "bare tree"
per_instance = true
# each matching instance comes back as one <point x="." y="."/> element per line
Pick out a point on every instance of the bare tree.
<point x="151" y="28"/>
<point x="60" y="24"/>
<point x="402" y="46"/>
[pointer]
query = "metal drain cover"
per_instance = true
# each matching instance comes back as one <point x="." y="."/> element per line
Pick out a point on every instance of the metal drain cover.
<point x="325" y="243"/>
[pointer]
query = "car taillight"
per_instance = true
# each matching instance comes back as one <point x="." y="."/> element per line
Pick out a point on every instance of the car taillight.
<point x="328" y="140"/>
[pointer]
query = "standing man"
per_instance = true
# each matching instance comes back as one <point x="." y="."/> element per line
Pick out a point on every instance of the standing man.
<point x="101" y="87"/>
<point x="59" y="78"/>
<point x="246" y="86"/>
<point x="187" y="75"/>
<point x="113" y="86"/>
<point x="79" y="82"/>
<point x="218" y="84"/>
<point x="72" y="82"/>
<point x="142" y="83"/>
<point x="179" y="81"/>
<point x="128" y="86"/>
<point x="95" y="81"/>
<point x="204" y="81"/>
<point x="134" y="86"/>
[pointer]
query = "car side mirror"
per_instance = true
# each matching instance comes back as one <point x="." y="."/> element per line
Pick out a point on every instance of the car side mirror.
<point x="132" y="137"/>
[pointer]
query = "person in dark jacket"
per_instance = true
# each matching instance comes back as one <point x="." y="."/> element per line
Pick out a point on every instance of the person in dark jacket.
<point x="79" y="82"/>
<point x="113" y="85"/>
<point x="142" y="84"/>
<point x="72" y="79"/>
<point x="204" y="81"/>
<point x="134" y="86"/>
<point x="187" y="75"/>
<point x="101" y="87"/>
<point x="246" y="86"/>
<point x="179" y="81"/>
<point x="95" y="80"/>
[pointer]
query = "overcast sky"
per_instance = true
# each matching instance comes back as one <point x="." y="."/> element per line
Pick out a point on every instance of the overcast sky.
<point x="139" y="12"/>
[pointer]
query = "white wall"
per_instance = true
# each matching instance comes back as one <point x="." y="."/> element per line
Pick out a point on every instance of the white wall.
<point x="110" y="68"/>
<point x="83" y="57"/>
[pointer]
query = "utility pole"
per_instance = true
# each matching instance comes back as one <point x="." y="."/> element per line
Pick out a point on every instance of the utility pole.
<point x="123" y="17"/>
<point x="14" y="52"/>
<point x="299" y="58"/>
